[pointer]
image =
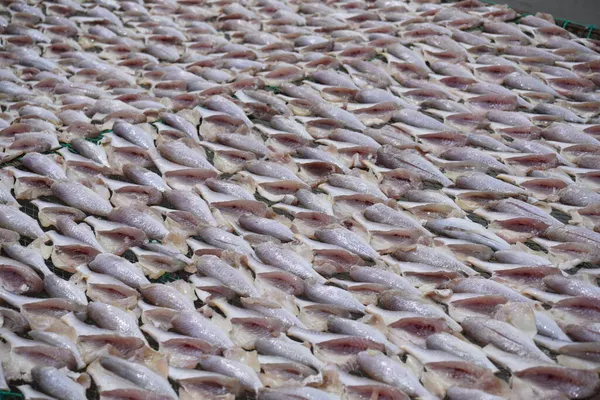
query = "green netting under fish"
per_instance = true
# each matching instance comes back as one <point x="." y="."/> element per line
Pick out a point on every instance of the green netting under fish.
<point x="10" y="395"/>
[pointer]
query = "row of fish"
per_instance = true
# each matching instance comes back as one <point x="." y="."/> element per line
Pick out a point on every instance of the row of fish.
<point x="297" y="200"/>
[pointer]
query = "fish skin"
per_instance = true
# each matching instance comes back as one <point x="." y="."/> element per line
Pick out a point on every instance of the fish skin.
<point x="266" y="226"/>
<point x="27" y="256"/>
<point x="225" y="240"/>
<point x="330" y="111"/>
<point x="194" y="324"/>
<point x="271" y="169"/>
<point x="465" y="229"/>
<point x="183" y="153"/>
<point x="348" y="240"/>
<point x="81" y="232"/>
<point x="406" y="54"/>
<point x="518" y="207"/>
<point x="314" y="201"/>
<point x="114" y="318"/>
<point x="306" y="392"/>
<point x="167" y="296"/>
<point x="228" y="188"/>
<point x="357" y="107"/>
<point x="180" y="123"/>
<point x="139" y="375"/>
<point x="220" y="103"/>
<point x="572" y="286"/>
<point x="192" y="203"/>
<point x="145" y="177"/>
<point x="13" y="219"/>
<point x="43" y="165"/>
<point x="356" y="328"/>
<point x="232" y="277"/>
<point x="81" y="197"/>
<point x="60" y="288"/>
<point x="134" y="134"/>
<point x="483" y="182"/>
<point x="56" y="383"/>
<point x="318" y="154"/>
<point x="235" y="369"/>
<point x="140" y="219"/>
<point x="568" y="133"/>
<point x="90" y="150"/>
<point x="395" y="300"/>
<point x="357" y="184"/>
<point x="287" y="348"/>
<point x="393" y="158"/>
<point x="387" y="370"/>
<point x="470" y="154"/>
<point x="570" y="233"/>
<point x="503" y="336"/>
<point x="431" y="256"/>
<point x="451" y="344"/>
<point x="388" y="278"/>
<point x="461" y="393"/>
<point x="384" y="214"/>
<point x="485" y="286"/>
<point x="332" y="295"/>
<point x="119" y="268"/>
<point x="578" y="195"/>
<point x="287" y="260"/>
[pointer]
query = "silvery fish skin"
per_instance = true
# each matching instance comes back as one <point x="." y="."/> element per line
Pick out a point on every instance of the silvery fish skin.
<point x="13" y="219"/>
<point x="190" y="202"/>
<point x="57" y="384"/>
<point x="81" y="197"/>
<point x="139" y="375"/>
<point x="145" y="177"/>
<point x="357" y="184"/>
<point x="90" y="150"/>
<point x="332" y="295"/>
<point x="60" y="288"/>
<point x="478" y="285"/>
<point x="43" y="165"/>
<point x="230" y="276"/>
<point x="167" y="296"/>
<point x="140" y="219"/>
<point x="295" y="393"/>
<point x="392" y="158"/>
<point x="266" y="226"/>
<point x="178" y="122"/>
<point x="380" y="276"/>
<point x="289" y="349"/>
<point x="225" y="240"/>
<point x="451" y="344"/>
<point x="392" y="372"/>
<point x="135" y="134"/>
<point x="235" y="369"/>
<point x="356" y="328"/>
<point x="324" y="178"/>
<point x="465" y="229"/>
<point x="114" y="318"/>
<point x="287" y="260"/>
<point x="348" y="240"/>
<point x="503" y="336"/>
<point x="119" y="268"/>
<point x="220" y="103"/>
<point x="27" y="256"/>
<point x="81" y="232"/>
<point x="181" y="153"/>
<point x="196" y="325"/>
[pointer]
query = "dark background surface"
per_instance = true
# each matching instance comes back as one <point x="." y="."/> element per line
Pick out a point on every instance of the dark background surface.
<point x="580" y="11"/>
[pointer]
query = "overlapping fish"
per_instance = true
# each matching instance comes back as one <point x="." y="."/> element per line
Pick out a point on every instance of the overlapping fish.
<point x="292" y="200"/>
